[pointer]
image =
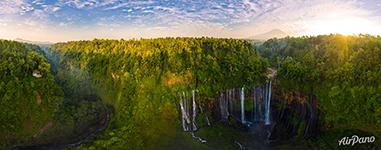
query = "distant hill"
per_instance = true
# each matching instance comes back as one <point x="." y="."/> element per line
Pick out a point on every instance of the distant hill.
<point x="34" y="42"/>
<point x="268" y="35"/>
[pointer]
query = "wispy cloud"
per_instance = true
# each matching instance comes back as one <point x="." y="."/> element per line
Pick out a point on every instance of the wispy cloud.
<point x="78" y="3"/>
<point x="40" y="14"/>
<point x="63" y="24"/>
<point x="11" y="6"/>
<point x="127" y="4"/>
<point x="237" y="18"/>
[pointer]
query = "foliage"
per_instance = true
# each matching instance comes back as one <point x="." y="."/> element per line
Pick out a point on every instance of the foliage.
<point x="143" y="79"/>
<point x="27" y="102"/>
<point x="343" y="71"/>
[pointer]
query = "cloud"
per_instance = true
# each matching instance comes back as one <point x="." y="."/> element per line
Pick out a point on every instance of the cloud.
<point x="38" y="2"/>
<point x="11" y="6"/>
<point x="157" y="28"/>
<point x="26" y="7"/>
<point x="31" y="22"/>
<point x="63" y="24"/>
<point x="79" y="4"/>
<point x="127" y="10"/>
<point x="108" y="2"/>
<point x="129" y="4"/>
<point x="40" y="14"/>
<point x="165" y="8"/>
<point x="296" y="16"/>
<point x="56" y="8"/>
<point x="233" y="21"/>
<point x="50" y="9"/>
<point x="101" y="24"/>
<point x="187" y="18"/>
<point x="114" y="25"/>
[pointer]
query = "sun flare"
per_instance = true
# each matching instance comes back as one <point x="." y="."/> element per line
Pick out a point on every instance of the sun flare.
<point x="348" y="26"/>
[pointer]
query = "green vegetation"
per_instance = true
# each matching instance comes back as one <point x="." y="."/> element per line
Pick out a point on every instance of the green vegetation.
<point x="143" y="79"/>
<point x="344" y="72"/>
<point x="27" y="102"/>
<point x="31" y="101"/>
<point x="52" y="57"/>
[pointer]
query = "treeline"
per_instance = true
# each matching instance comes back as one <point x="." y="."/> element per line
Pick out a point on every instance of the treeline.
<point x="51" y="56"/>
<point x="343" y="71"/>
<point x="144" y="80"/>
<point x="27" y="102"/>
<point x="30" y="98"/>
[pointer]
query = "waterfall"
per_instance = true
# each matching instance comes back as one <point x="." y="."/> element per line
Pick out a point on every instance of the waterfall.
<point x="194" y="112"/>
<point x="243" y="106"/>
<point x="255" y="103"/>
<point x="198" y="138"/>
<point x="231" y="102"/>
<point x="226" y="105"/>
<point x="260" y="99"/>
<point x="267" y="121"/>
<point x="240" y="145"/>
<point x="183" y="114"/>
<point x="207" y="119"/>
<point x="187" y="107"/>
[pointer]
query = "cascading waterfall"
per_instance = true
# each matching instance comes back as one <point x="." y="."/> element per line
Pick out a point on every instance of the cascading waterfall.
<point x="194" y="113"/>
<point x="185" y="115"/>
<point x="226" y="105"/>
<point x="268" y="106"/>
<point x="229" y="105"/>
<point x="260" y="98"/>
<point x="184" y="109"/>
<point x="243" y="106"/>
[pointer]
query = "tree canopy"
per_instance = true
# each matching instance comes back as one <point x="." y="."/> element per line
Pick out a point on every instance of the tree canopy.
<point x="343" y="71"/>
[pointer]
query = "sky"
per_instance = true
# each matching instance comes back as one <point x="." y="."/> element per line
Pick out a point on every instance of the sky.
<point x="68" y="20"/>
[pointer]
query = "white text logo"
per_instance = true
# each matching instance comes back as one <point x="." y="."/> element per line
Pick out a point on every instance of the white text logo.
<point x="355" y="139"/>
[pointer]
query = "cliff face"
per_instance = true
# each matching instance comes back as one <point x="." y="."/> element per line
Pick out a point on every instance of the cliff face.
<point x="267" y="112"/>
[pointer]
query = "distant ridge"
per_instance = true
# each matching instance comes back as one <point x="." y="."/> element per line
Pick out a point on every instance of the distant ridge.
<point x="276" y="33"/>
<point x="34" y="42"/>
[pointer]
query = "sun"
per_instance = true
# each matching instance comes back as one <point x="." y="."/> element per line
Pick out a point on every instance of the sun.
<point x="344" y="26"/>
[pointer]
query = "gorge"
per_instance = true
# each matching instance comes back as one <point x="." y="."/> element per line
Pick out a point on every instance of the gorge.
<point x="253" y="111"/>
<point x="197" y="93"/>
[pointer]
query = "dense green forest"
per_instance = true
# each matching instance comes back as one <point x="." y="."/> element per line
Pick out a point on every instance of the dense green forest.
<point x="342" y="71"/>
<point x="143" y="79"/>
<point x="51" y="57"/>
<point x="31" y="98"/>
<point x="27" y="101"/>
